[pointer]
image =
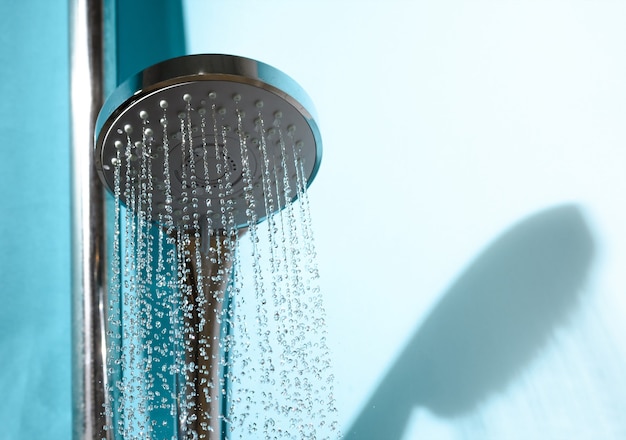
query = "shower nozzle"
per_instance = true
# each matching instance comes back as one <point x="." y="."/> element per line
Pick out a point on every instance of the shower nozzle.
<point x="221" y="137"/>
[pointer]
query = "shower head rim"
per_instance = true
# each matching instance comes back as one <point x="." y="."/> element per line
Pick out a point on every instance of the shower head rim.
<point x="196" y="69"/>
<point x="122" y="97"/>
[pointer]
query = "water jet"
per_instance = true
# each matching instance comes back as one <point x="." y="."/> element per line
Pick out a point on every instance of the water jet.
<point x="195" y="153"/>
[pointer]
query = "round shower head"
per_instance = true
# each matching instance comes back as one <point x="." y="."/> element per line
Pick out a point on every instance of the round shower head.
<point x="218" y="137"/>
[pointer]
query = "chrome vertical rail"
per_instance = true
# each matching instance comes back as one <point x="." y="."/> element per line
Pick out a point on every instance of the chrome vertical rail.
<point x="87" y="88"/>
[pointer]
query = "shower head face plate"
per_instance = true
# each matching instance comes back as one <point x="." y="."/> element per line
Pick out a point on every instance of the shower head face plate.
<point x="210" y="137"/>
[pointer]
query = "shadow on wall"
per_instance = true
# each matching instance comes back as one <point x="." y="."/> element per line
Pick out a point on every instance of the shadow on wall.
<point x="148" y="31"/>
<point x="489" y="325"/>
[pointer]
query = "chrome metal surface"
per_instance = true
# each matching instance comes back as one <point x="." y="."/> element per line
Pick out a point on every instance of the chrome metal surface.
<point x="205" y="386"/>
<point x="158" y="130"/>
<point x="223" y="100"/>
<point x="87" y="53"/>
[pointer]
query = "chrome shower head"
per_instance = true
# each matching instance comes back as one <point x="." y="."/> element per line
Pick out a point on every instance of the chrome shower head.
<point x="220" y="137"/>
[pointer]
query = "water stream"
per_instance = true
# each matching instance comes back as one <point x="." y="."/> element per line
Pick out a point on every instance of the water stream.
<point x="215" y="320"/>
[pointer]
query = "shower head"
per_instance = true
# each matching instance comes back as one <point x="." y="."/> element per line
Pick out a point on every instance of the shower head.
<point x="223" y="138"/>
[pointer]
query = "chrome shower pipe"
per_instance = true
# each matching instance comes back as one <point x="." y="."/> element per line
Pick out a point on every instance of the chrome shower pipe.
<point x="91" y="75"/>
<point x="92" y="78"/>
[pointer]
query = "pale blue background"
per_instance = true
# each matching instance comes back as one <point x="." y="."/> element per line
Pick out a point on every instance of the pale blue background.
<point x="445" y="125"/>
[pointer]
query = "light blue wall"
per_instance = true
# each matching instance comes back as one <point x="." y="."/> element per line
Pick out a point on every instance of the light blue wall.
<point x="468" y="211"/>
<point x="34" y="221"/>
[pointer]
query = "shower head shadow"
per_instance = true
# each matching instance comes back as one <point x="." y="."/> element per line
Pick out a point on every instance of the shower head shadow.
<point x="218" y="139"/>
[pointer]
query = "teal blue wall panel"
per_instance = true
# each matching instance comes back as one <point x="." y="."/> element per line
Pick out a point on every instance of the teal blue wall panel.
<point x="148" y="31"/>
<point x="35" y="290"/>
<point x="34" y="221"/>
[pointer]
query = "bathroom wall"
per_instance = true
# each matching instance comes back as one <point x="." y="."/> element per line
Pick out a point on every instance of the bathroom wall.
<point x="468" y="211"/>
<point x="34" y="221"/>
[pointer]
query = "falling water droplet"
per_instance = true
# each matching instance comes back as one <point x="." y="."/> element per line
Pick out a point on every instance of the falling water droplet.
<point x="187" y="334"/>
